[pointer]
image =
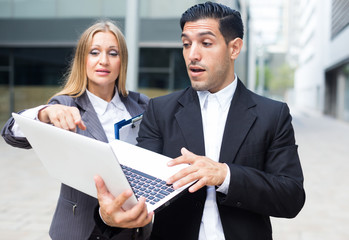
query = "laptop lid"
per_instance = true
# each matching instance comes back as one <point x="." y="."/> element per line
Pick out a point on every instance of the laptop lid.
<point x="75" y="159"/>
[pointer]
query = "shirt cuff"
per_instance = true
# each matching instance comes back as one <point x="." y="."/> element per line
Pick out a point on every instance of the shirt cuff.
<point x="100" y="215"/>
<point x="29" y="113"/>
<point x="225" y="185"/>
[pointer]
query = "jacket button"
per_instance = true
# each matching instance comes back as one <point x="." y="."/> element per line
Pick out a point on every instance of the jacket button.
<point x="238" y="204"/>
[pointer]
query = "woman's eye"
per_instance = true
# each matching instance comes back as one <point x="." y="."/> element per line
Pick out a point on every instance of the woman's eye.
<point x="114" y="53"/>
<point x="94" y="52"/>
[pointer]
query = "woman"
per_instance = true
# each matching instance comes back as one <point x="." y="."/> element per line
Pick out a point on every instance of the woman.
<point x="94" y="97"/>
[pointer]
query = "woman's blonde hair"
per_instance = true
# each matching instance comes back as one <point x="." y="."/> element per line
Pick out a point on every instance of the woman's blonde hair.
<point x="76" y="77"/>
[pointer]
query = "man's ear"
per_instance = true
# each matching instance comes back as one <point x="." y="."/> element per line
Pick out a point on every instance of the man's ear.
<point x="235" y="47"/>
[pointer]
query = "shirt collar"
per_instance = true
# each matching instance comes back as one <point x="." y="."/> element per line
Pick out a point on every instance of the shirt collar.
<point x="101" y="105"/>
<point x="224" y="96"/>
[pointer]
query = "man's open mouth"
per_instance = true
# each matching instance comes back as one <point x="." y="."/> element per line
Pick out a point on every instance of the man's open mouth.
<point x="197" y="69"/>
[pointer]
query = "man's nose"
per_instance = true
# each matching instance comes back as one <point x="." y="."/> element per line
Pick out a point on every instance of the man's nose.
<point x="194" y="54"/>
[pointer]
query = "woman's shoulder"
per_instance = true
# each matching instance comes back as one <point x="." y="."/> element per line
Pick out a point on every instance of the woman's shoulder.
<point x="139" y="97"/>
<point x="63" y="99"/>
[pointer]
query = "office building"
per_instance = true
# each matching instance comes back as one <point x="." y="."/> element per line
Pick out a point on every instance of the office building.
<point x="322" y="76"/>
<point x="38" y="37"/>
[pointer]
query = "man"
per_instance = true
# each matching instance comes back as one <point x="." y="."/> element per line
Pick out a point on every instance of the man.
<point x="240" y="146"/>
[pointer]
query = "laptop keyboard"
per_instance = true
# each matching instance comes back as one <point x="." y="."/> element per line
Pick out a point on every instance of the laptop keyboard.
<point x="144" y="185"/>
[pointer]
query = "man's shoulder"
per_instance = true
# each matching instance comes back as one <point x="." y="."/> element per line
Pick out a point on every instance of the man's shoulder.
<point x="261" y="104"/>
<point x="269" y="108"/>
<point x="265" y="100"/>
<point x="246" y="93"/>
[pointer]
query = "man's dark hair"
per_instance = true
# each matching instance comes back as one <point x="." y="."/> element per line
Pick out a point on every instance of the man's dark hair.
<point x="230" y="23"/>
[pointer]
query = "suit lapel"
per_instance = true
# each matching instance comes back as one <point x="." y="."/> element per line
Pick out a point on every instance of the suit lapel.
<point x="90" y="118"/>
<point x="239" y="121"/>
<point x="190" y="122"/>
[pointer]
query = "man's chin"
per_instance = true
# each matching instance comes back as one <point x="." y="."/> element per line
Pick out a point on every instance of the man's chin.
<point x="198" y="86"/>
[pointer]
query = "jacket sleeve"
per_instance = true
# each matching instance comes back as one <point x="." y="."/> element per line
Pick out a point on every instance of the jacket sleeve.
<point x="149" y="136"/>
<point x="22" y="142"/>
<point x="10" y="138"/>
<point x="276" y="189"/>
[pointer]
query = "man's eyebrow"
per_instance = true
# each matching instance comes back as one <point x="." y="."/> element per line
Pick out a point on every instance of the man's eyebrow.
<point x="183" y="35"/>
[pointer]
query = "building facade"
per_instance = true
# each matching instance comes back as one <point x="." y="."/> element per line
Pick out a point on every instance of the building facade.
<point x="322" y="75"/>
<point x="38" y="37"/>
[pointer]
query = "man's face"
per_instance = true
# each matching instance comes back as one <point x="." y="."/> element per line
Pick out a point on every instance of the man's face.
<point x="207" y="56"/>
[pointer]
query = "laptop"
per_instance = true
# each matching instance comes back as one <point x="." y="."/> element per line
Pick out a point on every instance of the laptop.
<point x="75" y="159"/>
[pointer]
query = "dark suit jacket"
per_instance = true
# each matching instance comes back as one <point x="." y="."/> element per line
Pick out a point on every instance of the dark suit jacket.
<point x="258" y="146"/>
<point x="79" y="224"/>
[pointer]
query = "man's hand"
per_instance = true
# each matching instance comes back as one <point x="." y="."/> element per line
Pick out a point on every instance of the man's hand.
<point x="111" y="208"/>
<point x="203" y="169"/>
<point x="62" y="116"/>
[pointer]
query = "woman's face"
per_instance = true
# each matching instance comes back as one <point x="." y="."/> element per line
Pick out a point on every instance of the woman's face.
<point x="103" y="65"/>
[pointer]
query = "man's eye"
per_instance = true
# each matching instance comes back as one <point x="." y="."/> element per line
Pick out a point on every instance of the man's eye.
<point x="207" y="44"/>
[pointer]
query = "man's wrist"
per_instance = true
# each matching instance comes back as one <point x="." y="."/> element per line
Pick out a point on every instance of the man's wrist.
<point x="223" y="188"/>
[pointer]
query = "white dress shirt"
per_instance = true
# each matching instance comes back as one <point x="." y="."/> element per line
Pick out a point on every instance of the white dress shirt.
<point x="214" y="111"/>
<point x="109" y="113"/>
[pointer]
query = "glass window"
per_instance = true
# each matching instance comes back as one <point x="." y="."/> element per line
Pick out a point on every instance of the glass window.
<point x="41" y="66"/>
<point x="4" y="57"/>
<point x="153" y="80"/>
<point x="181" y="78"/>
<point x="154" y="57"/>
<point x="162" y="69"/>
<point x="38" y="74"/>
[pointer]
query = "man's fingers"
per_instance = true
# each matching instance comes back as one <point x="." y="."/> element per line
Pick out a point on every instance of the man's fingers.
<point x="121" y="199"/>
<point x="100" y="186"/>
<point x="113" y="214"/>
<point x="199" y="184"/>
<point x="185" y="151"/>
<point x="180" y="175"/>
<point x="180" y="181"/>
<point x="187" y="157"/>
<point x="138" y="215"/>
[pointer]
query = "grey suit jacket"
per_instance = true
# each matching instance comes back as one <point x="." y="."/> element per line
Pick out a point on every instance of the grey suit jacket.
<point x="79" y="224"/>
<point x="258" y="146"/>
